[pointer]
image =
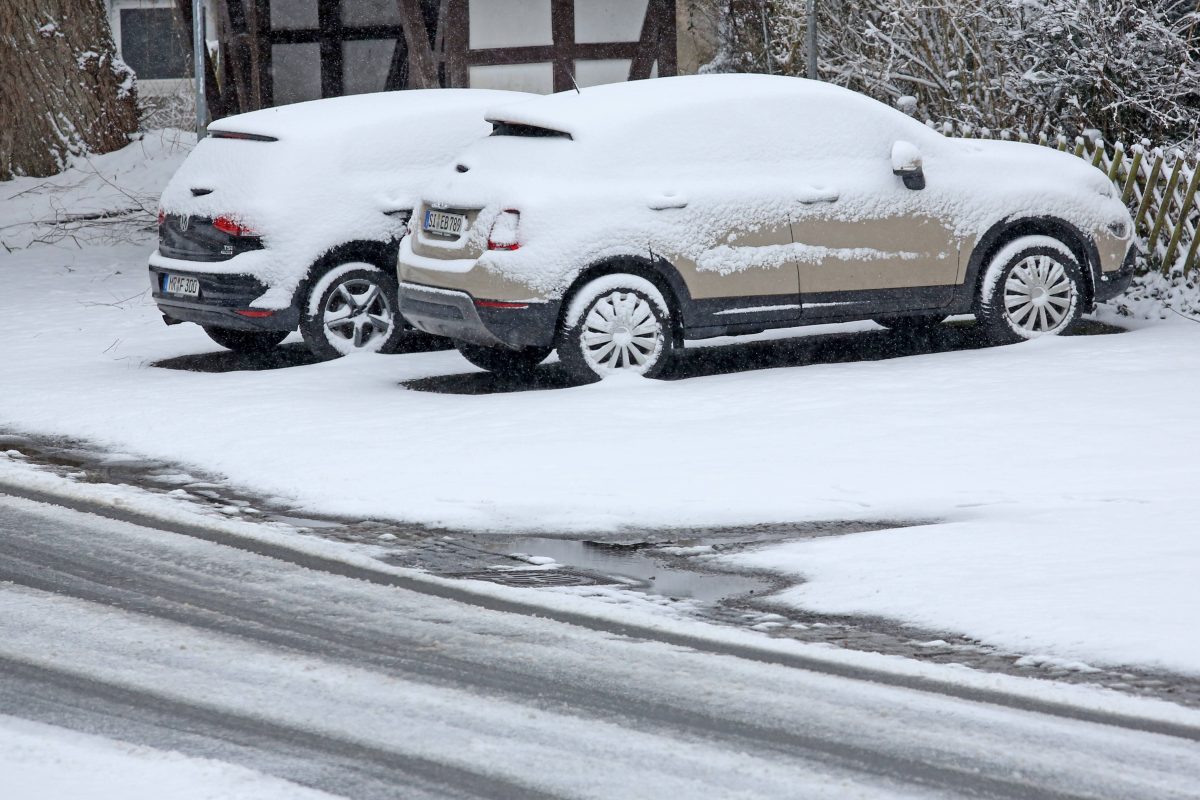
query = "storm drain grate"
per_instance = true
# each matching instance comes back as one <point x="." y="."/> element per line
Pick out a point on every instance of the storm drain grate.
<point x="532" y="578"/>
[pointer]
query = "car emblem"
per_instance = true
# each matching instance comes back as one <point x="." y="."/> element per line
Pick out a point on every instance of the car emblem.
<point x="184" y="221"/>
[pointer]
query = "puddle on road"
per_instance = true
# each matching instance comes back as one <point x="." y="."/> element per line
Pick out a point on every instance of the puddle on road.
<point x="633" y="566"/>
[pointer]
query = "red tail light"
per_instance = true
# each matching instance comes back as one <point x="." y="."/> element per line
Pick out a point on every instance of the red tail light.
<point x="499" y="304"/>
<point x="253" y="313"/>
<point x="162" y="217"/>
<point x="504" y="231"/>
<point x="232" y="227"/>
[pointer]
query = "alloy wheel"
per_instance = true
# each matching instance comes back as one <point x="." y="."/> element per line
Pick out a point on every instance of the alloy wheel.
<point x="358" y="312"/>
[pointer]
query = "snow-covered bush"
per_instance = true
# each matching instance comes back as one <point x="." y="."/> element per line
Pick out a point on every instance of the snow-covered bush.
<point x="1130" y="68"/>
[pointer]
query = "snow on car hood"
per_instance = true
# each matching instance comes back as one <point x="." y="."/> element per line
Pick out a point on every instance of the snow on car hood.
<point x="645" y="171"/>
<point x="333" y="171"/>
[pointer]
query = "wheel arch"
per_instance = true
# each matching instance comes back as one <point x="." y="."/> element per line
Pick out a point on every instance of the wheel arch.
<point x="1008" y="230"/>
<point x="382" y="254"/>
<point x="657" y="270"/>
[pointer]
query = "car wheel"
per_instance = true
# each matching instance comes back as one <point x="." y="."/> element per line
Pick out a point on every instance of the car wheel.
<point x="352" y="309"/>
<point x="919" y="323"/>
<point x="246" y="341"/>
<point x="617" y="324"/>
<point x="501" y="360"/>
<point x="1033" y="287"/>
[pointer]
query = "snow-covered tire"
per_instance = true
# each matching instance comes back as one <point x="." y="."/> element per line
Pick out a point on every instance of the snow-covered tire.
<point x="617" y="323"/>
<point x="1032" y="287"/>
<point x="352" y="308"/>
<point x="919" y="323"/>
<point x="246" y="341"/>
<point x="502" y="361"/>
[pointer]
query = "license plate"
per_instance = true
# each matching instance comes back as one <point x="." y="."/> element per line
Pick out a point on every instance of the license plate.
<point x="179" y="284"/>
<point x="443" y="223"/>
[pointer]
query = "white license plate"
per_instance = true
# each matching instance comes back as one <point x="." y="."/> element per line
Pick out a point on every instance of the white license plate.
<point x="179" y="284"/>
<point x="441" y="222"/>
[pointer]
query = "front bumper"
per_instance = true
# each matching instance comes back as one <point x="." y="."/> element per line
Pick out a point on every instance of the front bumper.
<point x="455" y="315"/>
<point x="1112" y="284"/>
<point x="221" y="297"/>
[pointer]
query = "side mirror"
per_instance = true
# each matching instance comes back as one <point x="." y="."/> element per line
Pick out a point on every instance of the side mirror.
<point x="906" y="162"/>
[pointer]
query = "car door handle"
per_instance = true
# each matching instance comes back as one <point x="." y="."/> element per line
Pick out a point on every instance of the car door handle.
<point x="818" y="197"/>
<point x="664" y="200"/>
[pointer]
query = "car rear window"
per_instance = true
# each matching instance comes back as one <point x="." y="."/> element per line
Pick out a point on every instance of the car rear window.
<point x="529" y="131"/>
<point x="250" y="137"/>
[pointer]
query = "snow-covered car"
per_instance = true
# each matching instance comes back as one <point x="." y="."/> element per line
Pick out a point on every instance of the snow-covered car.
<point x="614" y="223"/>
<point x="289" y="217"/>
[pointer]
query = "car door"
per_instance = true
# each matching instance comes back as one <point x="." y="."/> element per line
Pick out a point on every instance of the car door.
<point x="877" y="248"/>
<point x="743" y="274"/>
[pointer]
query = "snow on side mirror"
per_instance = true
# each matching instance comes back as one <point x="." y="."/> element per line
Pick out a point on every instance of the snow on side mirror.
<point x="906" y="162"/>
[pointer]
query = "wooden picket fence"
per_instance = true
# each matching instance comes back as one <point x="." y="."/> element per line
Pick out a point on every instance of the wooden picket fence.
<point x="1159" y="186"/>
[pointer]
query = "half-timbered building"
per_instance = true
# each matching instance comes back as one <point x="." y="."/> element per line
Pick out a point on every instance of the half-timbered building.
<point x="274" y="52"/>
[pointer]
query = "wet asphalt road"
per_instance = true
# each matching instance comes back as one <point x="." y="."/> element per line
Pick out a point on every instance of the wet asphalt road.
<point x="373" y="692"/>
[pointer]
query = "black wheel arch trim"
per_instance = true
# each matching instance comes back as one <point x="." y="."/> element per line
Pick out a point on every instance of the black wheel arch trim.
<point x="654" y="268"/>
<point x="1010" y="228"/>
<point x="382" y="254"/>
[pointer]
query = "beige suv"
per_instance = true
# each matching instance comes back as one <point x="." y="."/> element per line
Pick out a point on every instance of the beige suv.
<point x="615" y="223"/>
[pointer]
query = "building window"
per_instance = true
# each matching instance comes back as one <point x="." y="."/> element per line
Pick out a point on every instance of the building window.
<point x="152" y="43"/>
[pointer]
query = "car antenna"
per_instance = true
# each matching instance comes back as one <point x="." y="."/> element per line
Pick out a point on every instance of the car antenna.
<point x="573" y="83"/>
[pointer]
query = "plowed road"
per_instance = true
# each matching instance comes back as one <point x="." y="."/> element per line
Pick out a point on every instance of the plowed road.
<point x="372" y="691"/>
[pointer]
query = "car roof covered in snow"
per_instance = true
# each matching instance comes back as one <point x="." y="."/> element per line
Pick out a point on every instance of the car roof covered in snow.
<point x="598" y="110"/>
<point x="339" y="115"/>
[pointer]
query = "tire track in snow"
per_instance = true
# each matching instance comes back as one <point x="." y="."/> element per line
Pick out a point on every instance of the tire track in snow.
<point x="59" y="697"/>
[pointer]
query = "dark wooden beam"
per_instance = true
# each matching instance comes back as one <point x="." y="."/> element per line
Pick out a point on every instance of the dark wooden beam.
<point x="656" y="43"/>
<point x="422" y="68"/>
<point x="329" y="23"/>
<point x="235" y="57"/>
<point x="458" y="25"/>
<point x="562" y="26"/>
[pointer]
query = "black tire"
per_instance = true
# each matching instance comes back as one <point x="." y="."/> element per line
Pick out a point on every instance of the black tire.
<point x="374" y="325"/>
<point x="640" y="306"/>
<point x="246" y="341"/>
<point x="502" y="361"/>
<point x="918" y="323"/>
<point x="1033" y="287"/>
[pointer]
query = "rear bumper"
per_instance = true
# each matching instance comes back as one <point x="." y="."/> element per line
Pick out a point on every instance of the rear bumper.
<point x="221" y="297"/>
<point x="1112" y="284"/>
<point x="455" y="315"/>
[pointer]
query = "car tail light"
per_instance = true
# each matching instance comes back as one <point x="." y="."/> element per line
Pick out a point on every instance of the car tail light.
<point x="232" y="227"/>
<point x="504" y="231"/>
<point x="499" y="304"/>
<point x="162" y="217"/>
<point x="253" y="313"/>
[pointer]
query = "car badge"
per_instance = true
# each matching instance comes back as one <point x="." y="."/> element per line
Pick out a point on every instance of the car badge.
<point x="184" y="221"/>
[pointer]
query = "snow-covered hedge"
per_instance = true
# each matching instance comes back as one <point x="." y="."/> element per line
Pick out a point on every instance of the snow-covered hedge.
<point x="1122" y="66"/>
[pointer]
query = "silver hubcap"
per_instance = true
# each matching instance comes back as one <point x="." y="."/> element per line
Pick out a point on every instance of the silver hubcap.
<point x="1038" y="295"/>
<point x="357" y="312"/>
<point x="622" y="332"/>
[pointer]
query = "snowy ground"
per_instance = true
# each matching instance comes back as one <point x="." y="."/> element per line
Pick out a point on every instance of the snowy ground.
<point x="1059" y="474"/>
<point x="40" y="761"/>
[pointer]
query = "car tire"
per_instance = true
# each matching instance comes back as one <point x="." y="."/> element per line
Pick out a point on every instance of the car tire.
<point x="502" y="361"/>
<point x="918" y="323"/>
<point x="247" y="342"/>
<point x="617" y="323"/>
<point x="353" y="308"/>
<point x="1033" y="287"/>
